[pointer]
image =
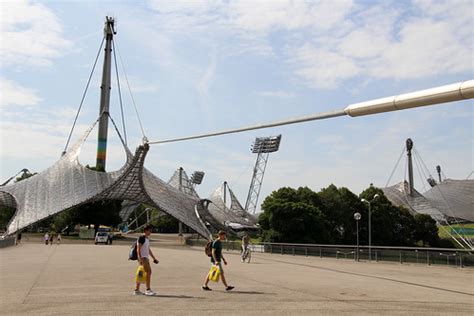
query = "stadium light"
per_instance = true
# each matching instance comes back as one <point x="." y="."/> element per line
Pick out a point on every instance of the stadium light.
<point x="197" y="177"/>
<point x="266" y="144"/>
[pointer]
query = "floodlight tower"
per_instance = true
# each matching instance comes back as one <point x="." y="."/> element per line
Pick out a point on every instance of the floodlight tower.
<point x="262" y="146"/>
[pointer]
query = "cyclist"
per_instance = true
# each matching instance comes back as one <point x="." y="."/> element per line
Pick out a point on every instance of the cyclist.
<point x="245" y="246"/>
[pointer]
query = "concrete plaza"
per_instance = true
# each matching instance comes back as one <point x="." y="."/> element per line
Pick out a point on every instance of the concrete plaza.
<point x="84" y="279"/>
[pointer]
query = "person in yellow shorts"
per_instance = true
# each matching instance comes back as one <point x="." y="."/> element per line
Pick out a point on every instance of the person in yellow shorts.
<point x="143" y="252"/>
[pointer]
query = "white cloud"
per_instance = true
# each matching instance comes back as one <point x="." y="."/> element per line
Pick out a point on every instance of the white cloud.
<point x="137" y="84"/>
<point x="13" y="94"/>
<point x="207" y="77"/>
<point x="383" y="43"/>
<point x="329" y="42"/>
<point x="187" y="6"/>
<point x="324" y="69"/>
<point x="277" y="94"/>
<point x="247" y="23"/>
<point x="266" y="16"/>
<point x="42" y="134"/>
<point x="30" y="34"/>
<point x="426" y="48"/>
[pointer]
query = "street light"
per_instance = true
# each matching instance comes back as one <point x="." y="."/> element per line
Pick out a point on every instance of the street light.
<point x="357" y="218"/>
<point x="370" y="224"/>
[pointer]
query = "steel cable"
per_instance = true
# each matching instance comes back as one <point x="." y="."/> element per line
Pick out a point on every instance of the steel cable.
<point x="131" y="95"/>
<point x="120" y="94"/>
<point x="83" y="97"/>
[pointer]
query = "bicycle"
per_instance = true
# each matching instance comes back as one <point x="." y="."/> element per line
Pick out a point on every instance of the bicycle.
<point x="246" y="254"/>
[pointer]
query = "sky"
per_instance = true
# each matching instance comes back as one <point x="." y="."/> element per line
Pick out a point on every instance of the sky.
<point x="201" y="66"/>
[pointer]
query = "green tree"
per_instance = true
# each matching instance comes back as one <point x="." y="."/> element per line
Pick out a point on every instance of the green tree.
<point x="165" y="223"/>
<point x="391" y="225"/>
<point x="385" y="218"/>
<point x="290" y="215"/>
<point x="66" y="220"/>
<point x="25" y="175"/>
<point x="105" y="212"/>
<point x="304" y="216"/>
<point x="339" y="206"/>
<point x="426" y="230"/>
<point x="6" y="213"/>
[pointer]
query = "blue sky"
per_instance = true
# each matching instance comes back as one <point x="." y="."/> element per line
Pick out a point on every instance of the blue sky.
<point x="202" y="66"/>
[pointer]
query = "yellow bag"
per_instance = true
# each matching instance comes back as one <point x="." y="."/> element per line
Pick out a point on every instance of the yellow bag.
<point x="214" y="273"/>
<point x="140" y="275"/>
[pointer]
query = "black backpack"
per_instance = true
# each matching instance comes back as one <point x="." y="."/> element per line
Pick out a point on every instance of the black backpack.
<point x="208" y="248"/>
<point x="133" y="254"/>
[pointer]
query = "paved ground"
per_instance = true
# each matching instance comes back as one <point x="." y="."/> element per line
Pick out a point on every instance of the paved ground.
<point x="84" y="279"/>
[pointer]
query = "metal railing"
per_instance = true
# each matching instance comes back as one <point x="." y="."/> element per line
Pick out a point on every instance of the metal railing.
<point x="7" y="242"/>
<point x="417" y="255"/>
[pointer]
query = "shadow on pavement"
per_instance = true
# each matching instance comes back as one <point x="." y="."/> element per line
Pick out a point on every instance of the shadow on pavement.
<point x="249" y="292"/>
<point x="176" y="296"/>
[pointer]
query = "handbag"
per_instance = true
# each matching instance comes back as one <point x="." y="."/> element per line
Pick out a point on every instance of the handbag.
<point x="140" y="275"/>
<point x="214" y="273"/>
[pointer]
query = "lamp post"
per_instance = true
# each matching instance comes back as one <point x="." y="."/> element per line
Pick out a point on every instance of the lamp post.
<point x="370" y="224"/>
<point x="357" y="217"/>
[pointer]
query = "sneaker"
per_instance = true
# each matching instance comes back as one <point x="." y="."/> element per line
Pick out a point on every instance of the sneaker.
<point x="137" y="292"/>
<point x="206" y="288"/>
<point x="229" y="288"/>
<point x="149" y="292"/>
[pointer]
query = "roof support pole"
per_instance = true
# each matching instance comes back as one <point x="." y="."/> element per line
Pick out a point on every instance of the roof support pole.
<point x="409" y="144"/>
<point x="105" y="96"/>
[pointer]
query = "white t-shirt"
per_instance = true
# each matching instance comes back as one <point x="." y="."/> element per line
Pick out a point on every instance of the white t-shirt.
<point x="145" y="249"/>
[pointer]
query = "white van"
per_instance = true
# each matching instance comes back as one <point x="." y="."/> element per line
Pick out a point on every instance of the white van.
<point x="102" y="237"/>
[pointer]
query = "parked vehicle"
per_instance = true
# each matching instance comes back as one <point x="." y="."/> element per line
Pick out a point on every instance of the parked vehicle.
<point x="102" y="237"/>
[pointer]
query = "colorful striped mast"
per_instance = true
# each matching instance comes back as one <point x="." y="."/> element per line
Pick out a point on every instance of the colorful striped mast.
<point x="105" y="95"/>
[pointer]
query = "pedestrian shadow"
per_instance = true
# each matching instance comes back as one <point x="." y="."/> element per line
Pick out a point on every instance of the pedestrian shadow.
<point x="249" y="292"/>
<point x="177" y="296"/>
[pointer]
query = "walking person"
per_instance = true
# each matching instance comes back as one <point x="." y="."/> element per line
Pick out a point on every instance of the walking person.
<point x="51" y="239"/>
<point x="143" y="252"/>
<point x="58" y="239"/>
<point x="46" y="238"/>
<point x="18" y="239"/>
<point x="216" y="259"/>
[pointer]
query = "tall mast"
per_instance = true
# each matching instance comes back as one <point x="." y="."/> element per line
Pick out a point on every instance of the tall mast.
<point x="105" y="95"/>
<point x="409" y="144"/>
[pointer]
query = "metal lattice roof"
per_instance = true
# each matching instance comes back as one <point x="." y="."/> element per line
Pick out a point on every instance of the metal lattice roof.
<point x="127" y="208"/>
<point x="186" y="185"/>
<point x="234" y="217"/>
<point x="416" y="204"/>
<point x="68" y="184"/>
<point x="454" y="198"/>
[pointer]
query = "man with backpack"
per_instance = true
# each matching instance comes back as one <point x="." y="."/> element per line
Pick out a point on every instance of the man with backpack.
<point x="143" y="252"/>
<point x="216" y="258"/>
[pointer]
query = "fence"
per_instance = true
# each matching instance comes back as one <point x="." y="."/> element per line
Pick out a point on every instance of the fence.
<point x="428" y="256"/>
<point x="7" y="242"/>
